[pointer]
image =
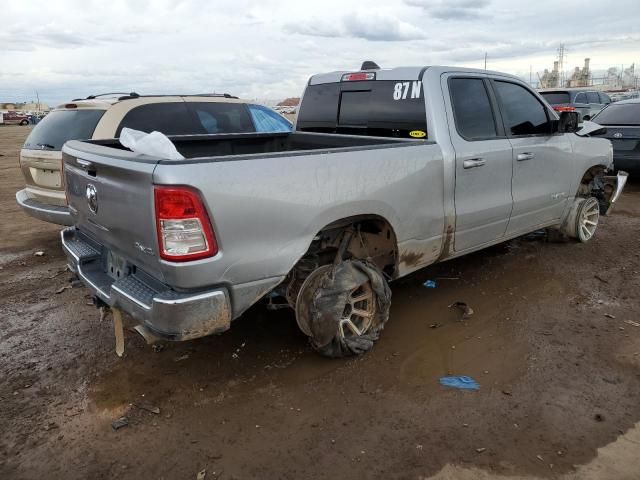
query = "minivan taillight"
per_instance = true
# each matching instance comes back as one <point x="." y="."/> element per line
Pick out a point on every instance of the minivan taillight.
<point x="184" y="229"/>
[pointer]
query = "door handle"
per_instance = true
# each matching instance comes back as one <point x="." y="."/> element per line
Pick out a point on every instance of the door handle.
<point x="87" y="165"/>
<point x="473" y="163"/>
<point x="525" y="156"/>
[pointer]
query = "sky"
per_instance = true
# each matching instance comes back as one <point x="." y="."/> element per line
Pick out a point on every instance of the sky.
<point x="65" y="49"/>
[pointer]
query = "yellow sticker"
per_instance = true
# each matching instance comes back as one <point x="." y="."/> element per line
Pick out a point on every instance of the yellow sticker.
<point x="417" y="133"/>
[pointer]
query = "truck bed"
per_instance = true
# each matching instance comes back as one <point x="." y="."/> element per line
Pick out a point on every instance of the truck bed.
<point x="220" y="147"/>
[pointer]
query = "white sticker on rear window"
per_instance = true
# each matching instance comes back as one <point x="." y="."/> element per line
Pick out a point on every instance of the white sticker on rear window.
<point x="401" y="90"/>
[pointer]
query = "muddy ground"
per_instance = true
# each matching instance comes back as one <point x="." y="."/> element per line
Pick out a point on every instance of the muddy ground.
<point x="558" y="364"/>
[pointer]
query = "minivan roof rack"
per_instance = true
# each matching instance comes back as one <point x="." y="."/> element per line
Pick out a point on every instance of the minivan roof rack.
<point x="220" y="95"/>
<point x="131" y="95"/>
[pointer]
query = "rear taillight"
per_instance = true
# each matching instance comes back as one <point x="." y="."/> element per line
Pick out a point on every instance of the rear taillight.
<point x="564" y="109"/>
<point x="184" y="228"/>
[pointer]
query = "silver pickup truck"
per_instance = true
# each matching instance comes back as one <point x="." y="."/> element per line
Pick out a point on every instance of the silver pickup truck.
<point x="386" y="172"/>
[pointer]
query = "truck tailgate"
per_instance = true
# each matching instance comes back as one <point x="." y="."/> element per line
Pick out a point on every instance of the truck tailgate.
<point x="111" y="201"/>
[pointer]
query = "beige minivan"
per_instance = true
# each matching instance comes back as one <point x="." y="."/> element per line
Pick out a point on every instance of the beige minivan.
<point x="104" y="116"/>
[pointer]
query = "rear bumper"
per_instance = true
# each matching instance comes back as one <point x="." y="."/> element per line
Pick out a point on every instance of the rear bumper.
<point x="49" y="213"/>
<point x="158" y="311"/>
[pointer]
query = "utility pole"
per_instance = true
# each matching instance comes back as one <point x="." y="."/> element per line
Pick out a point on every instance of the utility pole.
<point x="531" y="75"/>
<point x="485" y="60"/>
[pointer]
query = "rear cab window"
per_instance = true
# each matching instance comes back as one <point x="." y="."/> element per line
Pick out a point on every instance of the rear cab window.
<point x="556" y="98"/>
<point x="60" y="126"/>
<point x="384" y="108"/>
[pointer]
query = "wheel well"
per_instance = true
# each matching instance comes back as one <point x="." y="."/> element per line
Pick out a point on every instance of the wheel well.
<point x="593" y="184"/>
<point x="589" y="179"/>
<point x="369" y="237"/>
<point x="373" y="239"/>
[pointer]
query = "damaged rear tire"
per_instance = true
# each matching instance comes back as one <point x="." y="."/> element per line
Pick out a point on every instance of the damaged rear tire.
<point x="343" y="308"/>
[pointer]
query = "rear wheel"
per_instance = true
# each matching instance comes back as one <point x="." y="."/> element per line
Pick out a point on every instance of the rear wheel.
<point x="342" y="317"/>
<point x="24" y="122"/>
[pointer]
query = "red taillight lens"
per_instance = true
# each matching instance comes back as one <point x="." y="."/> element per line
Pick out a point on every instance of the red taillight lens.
<point x="564" y="109"/>
<point x="356" y="77"/>
<point x="184" y="229"/>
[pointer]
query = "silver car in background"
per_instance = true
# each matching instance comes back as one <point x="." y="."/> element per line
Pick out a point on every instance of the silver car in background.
<point x="586" y="102"/>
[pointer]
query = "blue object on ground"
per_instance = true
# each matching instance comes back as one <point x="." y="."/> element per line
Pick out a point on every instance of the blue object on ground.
<point x="430" y="284"/>
<point x="462" y="382"/>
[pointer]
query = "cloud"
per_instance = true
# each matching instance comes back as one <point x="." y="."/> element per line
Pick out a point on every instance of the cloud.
<point x="373" y="26"/>
<point x="21" y="39"/>
<point x="268" y="50"/>
<point x="451" y="9"/>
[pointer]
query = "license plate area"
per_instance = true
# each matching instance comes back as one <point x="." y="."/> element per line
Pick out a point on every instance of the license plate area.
<point x="117" y="267"/>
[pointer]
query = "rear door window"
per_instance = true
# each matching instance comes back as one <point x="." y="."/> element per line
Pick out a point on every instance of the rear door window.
<point x="266" y="120"/>
<point x="472" y="109"/>
<point x="221" y="117"/>
<point x="523" y="113"/>
<point x="556" y="98"/>
<point x="581" y="98"/>
<point x="604" y="98"/>
<point x="375" y="107"/>
<point x="170" y="118"/>
<point x="62" y="125"/>
<point x="592" y="97"/>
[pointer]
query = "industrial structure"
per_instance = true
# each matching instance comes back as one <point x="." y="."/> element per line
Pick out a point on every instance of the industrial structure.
<point x="622" y="81"/>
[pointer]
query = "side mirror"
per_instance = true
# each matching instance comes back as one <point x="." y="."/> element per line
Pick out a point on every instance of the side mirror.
<point x="568" y="122"/>
<point x="586" y="118"/>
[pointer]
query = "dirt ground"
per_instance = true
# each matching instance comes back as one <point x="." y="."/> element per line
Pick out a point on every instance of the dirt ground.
<point x="550" y="344"/>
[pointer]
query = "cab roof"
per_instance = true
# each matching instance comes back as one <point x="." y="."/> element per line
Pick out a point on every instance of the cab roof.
<point x="400" y="73"/>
